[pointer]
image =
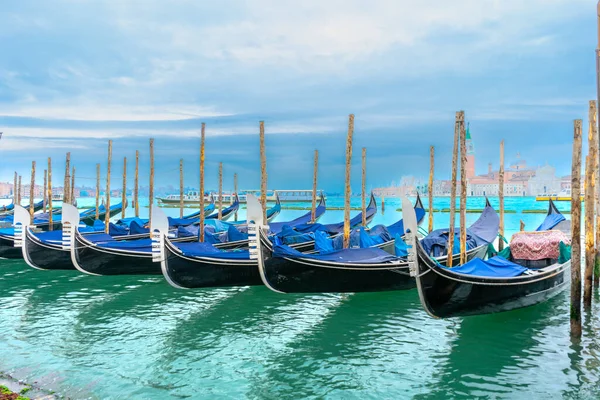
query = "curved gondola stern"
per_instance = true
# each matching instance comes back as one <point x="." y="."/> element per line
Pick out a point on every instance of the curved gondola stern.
<point x="419" y="202"/>
<point x="21" y="222"/>
<point x="411" y="229"/>
<point x="256" y="230"/>
<point x="167" y="252"/>
<point x="159" y="229"/>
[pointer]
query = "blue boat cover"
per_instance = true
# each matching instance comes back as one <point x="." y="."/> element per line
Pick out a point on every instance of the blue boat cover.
<point x="127" y="221"/>
<point x="141" y="245"/>
<point x="7" y="231"/>
<point x="550" y="222"/>
<point x="196" y="214"/>
<point x="400" y="247"/>
<point x="226" y="211"/>
<point x="175" y="222"/>
<point x="495" y="267"/>
<point x="487" y="225"/>
<point x="138" y="228"/>
<point x="398" y="227"/>
<point x="198" y="249"/>
<point x="347" y="256"/>
<point x="302" y="221"/>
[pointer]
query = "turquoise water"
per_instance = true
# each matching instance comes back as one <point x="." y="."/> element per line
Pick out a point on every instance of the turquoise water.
<point x="136" y="337"/>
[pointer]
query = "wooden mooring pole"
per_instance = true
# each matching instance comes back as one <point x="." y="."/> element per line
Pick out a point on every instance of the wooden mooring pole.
<point x="15" y="188"/>
<point x="263" y="172"/>
<point x="136" y="184"/>
<point x="430" y="186"/>
<point x="20" y="191"/>
<point x="363" y="187"/>
<point x="45" y="191"/>
<point x="72" y="187"/>
<point x="590" y="185"/>
<point x="151" y="186"/>
<point x="97" y="191"/>
<point x="348" y="190"/>
<point x="501" y="197"/>
<point x="313" y="212"/>
<point x="107" y="210"/>
<point x="235" y="190"/>
<point x="49" y="194"/>
<point x="124" y="189"/>
<point x="32" y="192"/>
<point x="201" y="194"/>
<point x="220" y="212"/>
<point x="451" y="232"/>
<point x="66" y="190"/>
<point x="576" y="232"/>
<point x="181" y="188"/>
<point x="463" y="190"/>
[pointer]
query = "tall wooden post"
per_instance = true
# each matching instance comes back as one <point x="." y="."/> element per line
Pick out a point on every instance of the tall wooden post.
<point x="15" y="189"/>
<point x="501" y="196"/>
<point x="124" y="190"/>
<point x="235" y="190"/>
<point x="136" y="184"/>
<point x="313" y="212"/>
<point x="220" y="214"/>
<point x="181" y="188"/>
<point x="201" y="194"/>
<point x="20" y="190"/>
<point x="347" y="191"/>
<point x="263" y="172"/>
<point x="590" y="251"/>
<point x="45" y="191"/>
<point x="66" y="190"/>
<point x="522" y="226"/>
<point x="596" y="178"/>
<point x="576" y="232"/>
<point x="453" y="191"/>
<point x="97" y="191"/>
<point x="50" y="222"/>
<point x="151" y="188"/>
<point x="72" y="187"/>
<point x="430" y="186"/>
<point x="107" y="214"/>
<point x="364" y="187"/>
<point x="463" y="190"/>
<point x="32" y="192"/>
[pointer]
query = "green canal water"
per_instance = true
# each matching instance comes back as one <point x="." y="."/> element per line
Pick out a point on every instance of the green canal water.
<point x="92" y="337"/>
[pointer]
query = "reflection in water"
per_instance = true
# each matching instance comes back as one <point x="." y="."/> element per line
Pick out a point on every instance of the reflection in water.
<point x="136" y="337"/>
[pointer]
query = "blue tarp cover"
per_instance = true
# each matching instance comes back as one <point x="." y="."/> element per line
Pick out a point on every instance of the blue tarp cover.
<point x="302" y="221"/>
<point x="495" y="267"/>
<point x="141" y="245"/>
<point x="400" y="247"/>
<point x="550" y="222"/>
<point x="398" y="227"/>
<point x="198" y="249"/>
<point x="349" y="256"/>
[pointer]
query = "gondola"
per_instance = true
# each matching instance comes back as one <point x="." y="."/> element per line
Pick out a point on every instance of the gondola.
<point x="286" y="270"/>
<point x="9" y="209"/>
<point x="228" y="212"/>
<point x="495" y="285"/>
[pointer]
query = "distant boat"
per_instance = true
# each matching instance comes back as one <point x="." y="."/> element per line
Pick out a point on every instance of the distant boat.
<point x="193" y="197"/>
<point x="564" y="195"/>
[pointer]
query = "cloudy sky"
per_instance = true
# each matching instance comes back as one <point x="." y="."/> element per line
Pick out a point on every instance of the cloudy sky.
<point x="76" y="73"/>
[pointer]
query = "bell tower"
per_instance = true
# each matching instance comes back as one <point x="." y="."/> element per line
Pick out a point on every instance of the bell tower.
<point x="470" y="154"/>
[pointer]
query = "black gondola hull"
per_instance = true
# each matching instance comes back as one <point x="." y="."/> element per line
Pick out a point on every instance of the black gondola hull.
<point x="7" y="248"/>
<point x="46" y="256"/>
<point x="193" y="273"/>
<point x="95" y="260"/>
<point x="445" y="294"/>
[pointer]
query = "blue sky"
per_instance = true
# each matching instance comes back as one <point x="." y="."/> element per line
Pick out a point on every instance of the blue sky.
<point x="74" y="74"/>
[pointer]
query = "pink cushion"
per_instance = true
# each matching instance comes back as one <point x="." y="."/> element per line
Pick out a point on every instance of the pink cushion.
<point x="537" y="245"/>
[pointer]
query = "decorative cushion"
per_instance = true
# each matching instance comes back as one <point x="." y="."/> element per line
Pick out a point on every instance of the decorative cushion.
<point x="537" y="245"/>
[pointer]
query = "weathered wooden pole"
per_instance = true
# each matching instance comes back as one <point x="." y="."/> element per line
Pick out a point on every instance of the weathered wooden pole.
<point x="66" y="190"/>
<point x="50" y="223"/>
<point x="522" y="226"/>
<point x="382" y="204"/>
<point x="453" y="192"/>
<point x="590" y="251"/>
<point x="501" y="197"/>
<point x="15" y="188"/>
<point x="20" y="190"/>
<point x="313" y="212"/>
<point x="348" y="191"/>
<point x="430" y="186"/>
<point x="107" y="210"/>
<point x="45" y="191"/>
<point x="463" y="190"/>
<point x="235" y="190"/>
<point x="220" y="214"/>
<point x="72" y="187"/>
<point x="181" y="188"/>
<point x="363" y="186"/>
<point x="151" y="188"/>
<point x="136" y="184"/>
<point x="32" y="192"/>
<point x="97" y="191"/>
<point x="124" y="190"/>
<point x="576" y="232"/>
<point x="263" y="172"/>
<point x="201" y="194"/>
<point x="596" y="173"/>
